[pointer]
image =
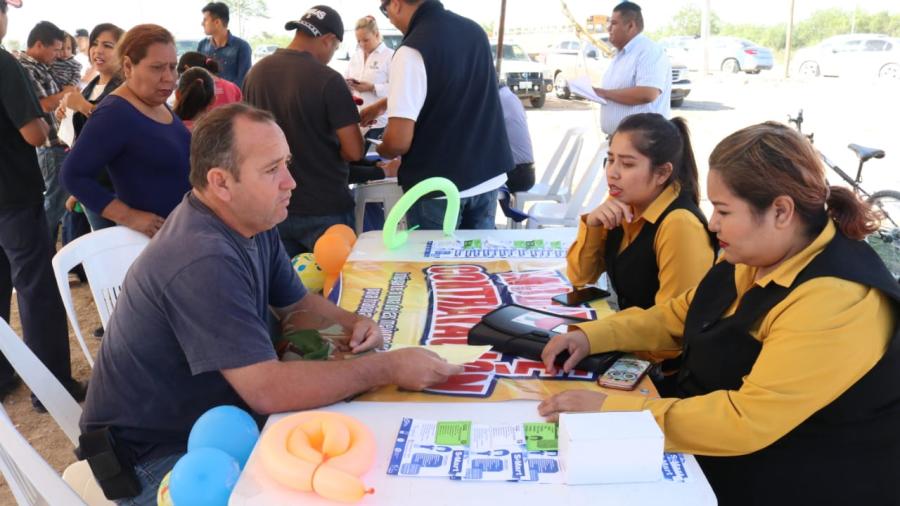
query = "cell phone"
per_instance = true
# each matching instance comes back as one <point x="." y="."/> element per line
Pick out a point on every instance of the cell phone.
<point x="581" y="296"/>
<point x="624" y="374"/>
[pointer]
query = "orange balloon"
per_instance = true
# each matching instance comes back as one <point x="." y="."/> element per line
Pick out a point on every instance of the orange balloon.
<point x="331" y="251"/>
<point x="330" y="280"/>
<point x="344" y="231"/>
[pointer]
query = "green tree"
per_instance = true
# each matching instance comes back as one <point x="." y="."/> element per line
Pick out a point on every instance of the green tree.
<point x="242" y="10"/>
<point x="687" y="22"/>
<point x="268" y="39"/>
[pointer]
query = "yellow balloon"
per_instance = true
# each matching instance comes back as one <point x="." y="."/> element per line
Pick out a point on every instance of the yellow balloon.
<point x="312" y="276"/>
<point x="163" y="498"/>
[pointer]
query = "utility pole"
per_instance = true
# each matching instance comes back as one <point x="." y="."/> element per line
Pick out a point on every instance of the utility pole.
<point x="500" y="37"/>
<point x="704" y="35"/>
<point x="788" y="40"/>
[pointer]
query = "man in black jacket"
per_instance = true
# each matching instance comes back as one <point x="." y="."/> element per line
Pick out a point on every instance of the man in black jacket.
<point x="444" y="114"/>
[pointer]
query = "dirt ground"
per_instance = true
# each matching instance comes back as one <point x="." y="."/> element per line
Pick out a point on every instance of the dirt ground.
<point x="40" y="429"/>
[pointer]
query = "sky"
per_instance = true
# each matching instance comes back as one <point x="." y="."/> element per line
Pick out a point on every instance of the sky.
<point x="182" y="17"/>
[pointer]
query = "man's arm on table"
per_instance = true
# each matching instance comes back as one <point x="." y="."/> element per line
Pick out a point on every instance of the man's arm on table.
<point x="274" y="386"/>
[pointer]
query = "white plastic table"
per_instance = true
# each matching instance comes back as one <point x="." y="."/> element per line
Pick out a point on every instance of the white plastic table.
<point x="255" y="488"/>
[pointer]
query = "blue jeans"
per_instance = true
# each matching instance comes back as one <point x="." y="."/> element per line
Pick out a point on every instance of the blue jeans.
<point x="51" y="161"/>
<point x="475" y="213"/>
<point x="150" y="475"/>
<point x="299" y="233"/>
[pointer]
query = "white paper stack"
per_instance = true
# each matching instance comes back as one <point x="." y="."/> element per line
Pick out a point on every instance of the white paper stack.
<point x="615" y="447"/>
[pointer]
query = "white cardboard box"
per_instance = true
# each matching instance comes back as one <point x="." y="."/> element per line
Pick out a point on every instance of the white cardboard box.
<point x="613" y="447"/>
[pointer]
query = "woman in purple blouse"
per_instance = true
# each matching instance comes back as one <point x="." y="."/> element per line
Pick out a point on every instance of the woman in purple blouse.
<point x="137" y="136"/>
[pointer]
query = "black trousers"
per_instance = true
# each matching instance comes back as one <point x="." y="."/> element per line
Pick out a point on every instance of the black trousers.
<point x="25" y="265"/>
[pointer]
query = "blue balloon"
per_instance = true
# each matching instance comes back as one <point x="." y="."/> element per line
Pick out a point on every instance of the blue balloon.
<point x="227" y="428"/>
<point x="204" y="477"/>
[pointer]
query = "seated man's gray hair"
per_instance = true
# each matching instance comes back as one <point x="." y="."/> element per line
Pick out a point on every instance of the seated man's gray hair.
<point x="212" y="144"/>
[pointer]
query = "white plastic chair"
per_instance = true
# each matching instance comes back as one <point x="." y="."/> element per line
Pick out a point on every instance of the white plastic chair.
<point x="589" y="193"/>
<point x="106" y="256"/>
<point x="385" y="191"/>
<point x="64" y="410"/>
<point x="80" y="477"/>
<point x="58" y="401"/>
<point x="30" y="477"/>
<point x="556" y="183"/>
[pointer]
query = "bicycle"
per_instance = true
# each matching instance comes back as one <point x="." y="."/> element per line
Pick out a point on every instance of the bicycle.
<point x="886" y="203"/>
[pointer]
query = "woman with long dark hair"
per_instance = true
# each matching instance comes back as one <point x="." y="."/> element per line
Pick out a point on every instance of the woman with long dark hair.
<point x="102" y="55"/>
<point x="649" y="236"/>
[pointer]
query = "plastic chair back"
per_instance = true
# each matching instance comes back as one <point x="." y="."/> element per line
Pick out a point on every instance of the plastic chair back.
<point x="566" y="170"/>
<point x="59" y="403"/>
<point x="106" y="256"/>
<point x="591" y="184"/>
<point x="30" y="477"/>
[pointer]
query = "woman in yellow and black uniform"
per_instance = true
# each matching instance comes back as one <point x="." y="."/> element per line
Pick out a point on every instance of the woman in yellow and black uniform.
<point x="789" y="391"/>
<point x="649" y="236"/>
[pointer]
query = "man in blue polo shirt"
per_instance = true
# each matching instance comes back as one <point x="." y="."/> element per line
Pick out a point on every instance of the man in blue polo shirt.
<point x="191" y="326"/>
<point x="232" y="53"/>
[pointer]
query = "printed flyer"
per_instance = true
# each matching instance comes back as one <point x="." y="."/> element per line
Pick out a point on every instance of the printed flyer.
<point x="435" y="303"/>
<point x="467" y="451"/>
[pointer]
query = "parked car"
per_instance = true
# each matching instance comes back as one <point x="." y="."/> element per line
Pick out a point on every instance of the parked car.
<point x="184" y="45"/>
<point x="341" y="59"/>
<point x="262" y="51"/>
<point x="571" y="58"/>
<point x="861" y="55"/>
<point x="524" y="76"/>
<point x="729" y="54"/>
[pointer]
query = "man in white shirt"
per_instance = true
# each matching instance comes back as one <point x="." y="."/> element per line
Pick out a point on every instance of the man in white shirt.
<point x="639" y="79"/>
<point x="444" y="114"/>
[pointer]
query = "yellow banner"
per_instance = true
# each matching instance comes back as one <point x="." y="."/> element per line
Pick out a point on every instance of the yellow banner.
<point x="435" y="303"/>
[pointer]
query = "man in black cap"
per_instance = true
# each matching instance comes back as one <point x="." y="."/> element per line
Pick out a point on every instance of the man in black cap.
<point x="444" y="114"/>
<point x="313" y="105"/>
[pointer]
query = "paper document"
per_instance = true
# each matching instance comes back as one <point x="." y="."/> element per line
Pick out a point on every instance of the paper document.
<point x="469" y="451"/>
<point x="581" y="86"/>
<point x="493" y="248"/>
<point x="458" y="354"/>
<point x="462" y="450"/>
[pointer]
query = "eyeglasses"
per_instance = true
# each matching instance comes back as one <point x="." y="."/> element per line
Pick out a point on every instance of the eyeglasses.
<point x="384" y="4"/>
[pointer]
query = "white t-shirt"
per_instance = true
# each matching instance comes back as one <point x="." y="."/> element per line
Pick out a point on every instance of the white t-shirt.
<point x="408" y="87"/>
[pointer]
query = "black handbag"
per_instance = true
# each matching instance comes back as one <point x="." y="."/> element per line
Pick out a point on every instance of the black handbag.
<point x="523" y="331"/>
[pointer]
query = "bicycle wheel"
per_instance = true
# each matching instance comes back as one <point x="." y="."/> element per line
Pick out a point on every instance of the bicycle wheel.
<point x="886" y="241"/>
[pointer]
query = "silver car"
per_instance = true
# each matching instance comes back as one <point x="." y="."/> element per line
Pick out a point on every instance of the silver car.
<point x="859" y="55"/>
<point x="730" y="54"/>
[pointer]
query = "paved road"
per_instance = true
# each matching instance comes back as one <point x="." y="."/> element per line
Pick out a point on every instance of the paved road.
<point x="839" y="111"/>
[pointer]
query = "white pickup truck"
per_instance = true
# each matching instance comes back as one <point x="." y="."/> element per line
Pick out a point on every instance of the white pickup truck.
<point x="571" y="58"/>
<point x="525" y="77"/>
